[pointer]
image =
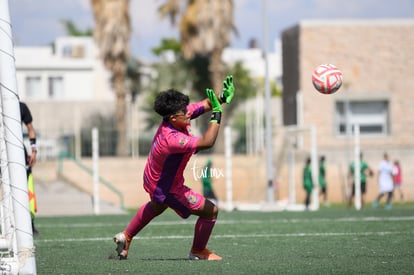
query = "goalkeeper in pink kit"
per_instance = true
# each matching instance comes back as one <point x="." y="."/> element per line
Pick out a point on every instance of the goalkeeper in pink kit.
<point x="171" y="149"/>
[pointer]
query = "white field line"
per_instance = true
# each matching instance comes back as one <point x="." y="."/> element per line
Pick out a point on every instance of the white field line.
<point x="228" y="236"/>
<point x="253" y="235"/>
<point x="186" y="222"/>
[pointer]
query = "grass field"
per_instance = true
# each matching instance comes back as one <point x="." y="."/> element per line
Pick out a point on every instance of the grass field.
<point x="332" y="240"/>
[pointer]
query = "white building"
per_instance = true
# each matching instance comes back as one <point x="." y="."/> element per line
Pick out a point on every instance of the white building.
<point x="63" y="85"/>
<point x="253" y="60"/>
<point x="69" y="71"/>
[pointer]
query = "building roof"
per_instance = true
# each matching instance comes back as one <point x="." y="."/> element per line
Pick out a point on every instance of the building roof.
<point x="357" y="22"/>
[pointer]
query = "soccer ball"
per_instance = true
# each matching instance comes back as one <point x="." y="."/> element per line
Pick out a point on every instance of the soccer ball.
<point x="327" y="78"/>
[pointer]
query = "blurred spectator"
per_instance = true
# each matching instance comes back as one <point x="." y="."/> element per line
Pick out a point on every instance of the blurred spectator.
<point x="307" y="182"/>
<point x="27" y="120"/>
<point x="365" y="171"/>
<point x="385" y="182"/>
<point x="208" y="191"/>
<point x="397" y="174"/>
<point x="322" y="180"/>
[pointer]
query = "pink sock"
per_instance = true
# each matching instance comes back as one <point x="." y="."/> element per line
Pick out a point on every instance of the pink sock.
<point x="143" y="216"/>
<point x="202" y="232"/>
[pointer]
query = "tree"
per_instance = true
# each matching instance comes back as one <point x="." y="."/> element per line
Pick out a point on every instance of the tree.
<point x="205" y="30"/>
<point x="112" y="33"/>
<point x="173" y="73"/>
<point x="73" y="30"/>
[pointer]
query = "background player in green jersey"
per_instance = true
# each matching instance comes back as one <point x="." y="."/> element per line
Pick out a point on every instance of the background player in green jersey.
<point x="365" y="171"/>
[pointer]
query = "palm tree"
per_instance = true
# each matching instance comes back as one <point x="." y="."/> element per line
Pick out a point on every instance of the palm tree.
<point x="205" y="29"/>
<point x="73" y="30"/>
<point x="112" y="33"/>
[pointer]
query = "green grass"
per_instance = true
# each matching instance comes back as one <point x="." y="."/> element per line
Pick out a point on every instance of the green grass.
<point x="332" y="240"/>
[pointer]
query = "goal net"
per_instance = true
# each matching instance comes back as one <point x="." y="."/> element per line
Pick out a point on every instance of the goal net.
<point x="8" y="240"/>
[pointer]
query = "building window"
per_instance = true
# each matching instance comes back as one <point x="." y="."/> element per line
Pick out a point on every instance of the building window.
<point x="73" y="51"/>
<point x="67" y="51"/>
<point x="33" y="87"/>
<point x="372" y="116"/>
<point x="55" y="87"/>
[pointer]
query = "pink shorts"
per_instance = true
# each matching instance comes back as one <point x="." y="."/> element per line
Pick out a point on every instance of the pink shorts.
<point x="184" y="200"/>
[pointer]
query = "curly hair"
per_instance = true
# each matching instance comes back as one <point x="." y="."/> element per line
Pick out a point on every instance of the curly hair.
<point x="170" y="102"/>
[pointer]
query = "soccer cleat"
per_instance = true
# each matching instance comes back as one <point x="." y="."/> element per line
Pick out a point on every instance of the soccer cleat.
<point x="204" y="254"/>
<point x="375" y="204"/>
<point x="122" y="245"/>
<point x="388" y="206"/>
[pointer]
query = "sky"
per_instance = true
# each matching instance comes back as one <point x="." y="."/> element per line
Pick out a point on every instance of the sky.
<point x="37" y="22"/>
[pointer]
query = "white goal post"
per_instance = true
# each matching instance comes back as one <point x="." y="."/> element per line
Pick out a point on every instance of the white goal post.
<point x="357" y="169"/>
<point x="294" y="137"/>
<point x="16" y="240"/>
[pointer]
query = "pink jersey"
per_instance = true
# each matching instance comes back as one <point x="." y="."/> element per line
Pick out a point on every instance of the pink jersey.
<point x="397" y="174"/>
<point x="171" y="150"/>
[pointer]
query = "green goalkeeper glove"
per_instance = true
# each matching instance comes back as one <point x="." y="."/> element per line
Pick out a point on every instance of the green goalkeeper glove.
<point x="216" y="106"/>
<point x="228" y="90"/>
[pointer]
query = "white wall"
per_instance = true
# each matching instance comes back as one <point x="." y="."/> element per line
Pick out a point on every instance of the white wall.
<point x="75" y="60"/>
